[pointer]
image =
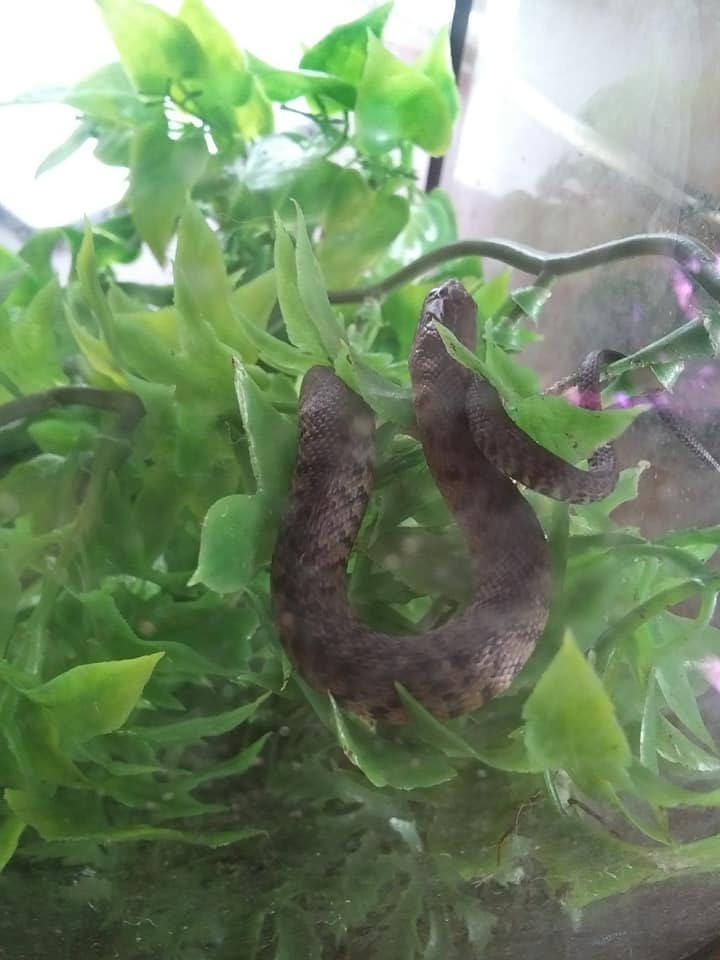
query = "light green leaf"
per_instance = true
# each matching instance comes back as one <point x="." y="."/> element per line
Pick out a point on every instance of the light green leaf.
<point x="300" y="326"/>
<point x="397" y="103"/>
<point x="359" y="223"/>
<point x="343" y="51"/>
<point x="108" y="97"/>
<point x="283" y="86"/>
<point x="202" y="288"/>
<point x="162" y="173"/>
<point x="225" y="83"/>
<point x="156" y="48"/>
<point x="571" y="432"/>
<point x="66" y="149"/>
<point x="311" y="287"/>
<point x="228" y="557"/>
<point x="271" y="436"/>
<point x="94" y="698"/>
<point x="570" y="722"/>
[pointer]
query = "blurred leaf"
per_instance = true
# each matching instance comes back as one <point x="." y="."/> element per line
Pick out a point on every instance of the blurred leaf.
<point x="311" y="288"/>
<point x="107" y="96"/>
<point x="674" y="684"/>
<point x="156" y="49"/>
<point x="283" y="86"/>
<point x="29" y="345"/>
<point x="255" y="117"/>
<point x="343" y="51"/>
<point x="197" y="728"/>
<point x="397" y="103"/>
<point x="162" y="173"/>
<point x="66" y="149"/>
<point x="225" y="83"/>
<point x="358" y="225"/>
<point x="297" y="937"/>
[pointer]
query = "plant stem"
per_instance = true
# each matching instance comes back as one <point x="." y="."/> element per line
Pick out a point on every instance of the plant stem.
<point x="694" y="257"/>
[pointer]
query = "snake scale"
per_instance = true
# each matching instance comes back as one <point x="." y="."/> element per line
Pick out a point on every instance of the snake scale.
<point x="475" y="454"/>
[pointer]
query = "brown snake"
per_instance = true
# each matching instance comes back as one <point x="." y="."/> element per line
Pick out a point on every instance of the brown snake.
<point x="475" y="453"/>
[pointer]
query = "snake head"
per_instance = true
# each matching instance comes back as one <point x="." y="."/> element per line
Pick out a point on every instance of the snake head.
<point x="452" y="305"/>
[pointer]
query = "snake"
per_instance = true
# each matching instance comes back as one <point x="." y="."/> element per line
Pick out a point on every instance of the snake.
<point x="477" y="457"/>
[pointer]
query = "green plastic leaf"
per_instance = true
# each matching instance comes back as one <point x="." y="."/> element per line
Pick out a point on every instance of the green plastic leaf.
<point x="300" y="326"/>
<point x="492" y="295"/>
<point x="162" y="173"/>
<point x="225" y="83"/>
<point x="11" y="829"/>
<point x="385" y="763"/>
<point x="79" y="816"/>
<point x="397" y="103"/>
<point x="532" y="300"/>
<point x="233" y="767"/>
<point x="197" y="728"/>
<point x="29" y="344"/>
<point x="571" y="432"/>
<point x="388" y="399"/>
<point x="271" y="436"/>
<point x="107" y="96"/>
<point x="255" y="117"/>
<point x="516" y="380"/>
<point x="87" y="271"/>
<point x="343" y="51"/>
<point x="94" y="698"/>
<point x="66" y="149"/>
<point x="202" y="288"/>
<point x="156" y="49"/>
<point x="283" y="86"/>
<point x="359" y="224"/>
<point x="674" y="746"/>
<point x="675" y="686"/>
<point x="227" y="560"/>
<point x="570" y="722"/>
<point x="511" y="756"/>
<point x="437" y="65"/>
<point x="256" y="299"/>
<point x="311" y="287"/>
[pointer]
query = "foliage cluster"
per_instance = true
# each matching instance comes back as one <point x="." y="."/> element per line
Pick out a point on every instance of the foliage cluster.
<point x="143" y="693"/>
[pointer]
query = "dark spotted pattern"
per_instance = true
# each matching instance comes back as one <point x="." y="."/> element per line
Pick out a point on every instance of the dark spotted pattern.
<point x="472" y="450"/>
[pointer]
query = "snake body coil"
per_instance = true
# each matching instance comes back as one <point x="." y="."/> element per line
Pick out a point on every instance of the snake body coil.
<point x="472" y="450"/>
